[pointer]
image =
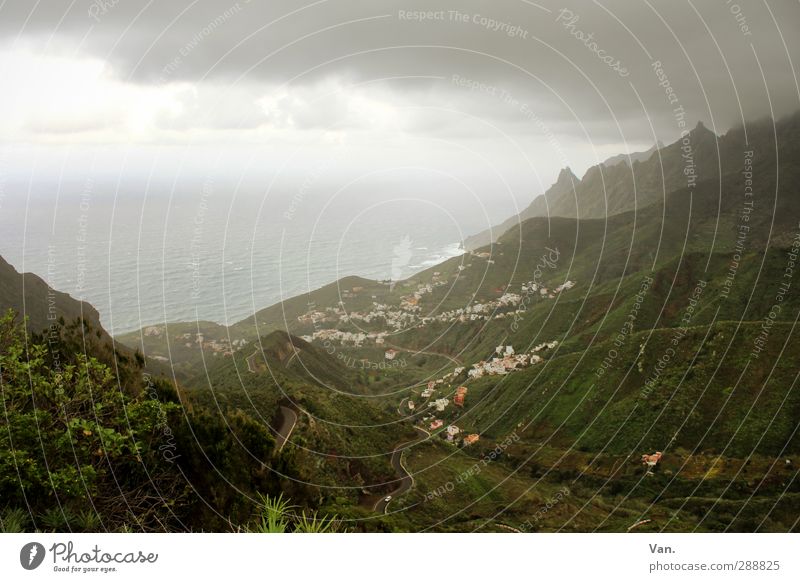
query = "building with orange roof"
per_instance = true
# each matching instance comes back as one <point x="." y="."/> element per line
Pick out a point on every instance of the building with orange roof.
<point x="471" y="439"/>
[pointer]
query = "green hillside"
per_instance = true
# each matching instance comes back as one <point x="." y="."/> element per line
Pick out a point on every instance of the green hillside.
<point x="658" y="318"/>
<point x="30" y="296"/>
<point x="616" y="186"/>
<point x="343" y="435"/>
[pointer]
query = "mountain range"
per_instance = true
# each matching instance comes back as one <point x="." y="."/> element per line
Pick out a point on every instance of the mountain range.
<point x="621" y="185"/>
<point x="648" y="306"/>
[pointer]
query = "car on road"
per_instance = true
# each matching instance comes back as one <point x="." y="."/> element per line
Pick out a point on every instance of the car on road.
<point x="388" y="498"/>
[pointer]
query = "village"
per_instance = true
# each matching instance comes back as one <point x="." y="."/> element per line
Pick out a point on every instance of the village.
<point x="394" y="318"/>
<point x="407" y="314"/>
<point x="224" y="346"/>
<point x="431" y="408"/>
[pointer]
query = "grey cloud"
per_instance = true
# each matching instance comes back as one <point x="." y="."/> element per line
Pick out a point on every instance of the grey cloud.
<point x="523" y="50"/>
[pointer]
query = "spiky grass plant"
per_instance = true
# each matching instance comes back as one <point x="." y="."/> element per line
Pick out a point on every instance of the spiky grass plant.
<point x="314" y="524"/>
<point x="274" y="516"/>
<point x="13" y="521"/>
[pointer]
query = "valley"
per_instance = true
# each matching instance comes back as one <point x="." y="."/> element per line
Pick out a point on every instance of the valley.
<point x="626" y="364"/>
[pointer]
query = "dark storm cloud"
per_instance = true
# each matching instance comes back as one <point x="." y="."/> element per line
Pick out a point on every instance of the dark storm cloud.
<point x="581" y="67"/>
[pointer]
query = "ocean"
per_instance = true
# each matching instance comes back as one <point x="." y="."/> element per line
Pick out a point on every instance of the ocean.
<point x="149" y="253"/>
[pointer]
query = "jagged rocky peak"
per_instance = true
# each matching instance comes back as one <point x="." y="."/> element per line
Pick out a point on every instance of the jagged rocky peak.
<point x="565" y="174"/>
<point x="701" y="130"/>
<point x="633" y="157"/>
<point x="566" y="178"/>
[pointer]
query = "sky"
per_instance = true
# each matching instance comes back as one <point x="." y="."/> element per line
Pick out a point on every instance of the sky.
<point x="503" y="92"/>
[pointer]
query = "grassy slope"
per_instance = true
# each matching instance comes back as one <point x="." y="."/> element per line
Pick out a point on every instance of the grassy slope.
<point x="568" y="418"/>
<point x="343" y="437"/>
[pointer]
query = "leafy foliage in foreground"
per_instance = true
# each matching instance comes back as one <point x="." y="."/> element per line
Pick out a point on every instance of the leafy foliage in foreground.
<point x="75" y="450"/>
<point x="81" y="450"/>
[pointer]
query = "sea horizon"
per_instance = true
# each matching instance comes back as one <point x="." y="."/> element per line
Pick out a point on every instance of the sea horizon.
<point x="150" y="261"/>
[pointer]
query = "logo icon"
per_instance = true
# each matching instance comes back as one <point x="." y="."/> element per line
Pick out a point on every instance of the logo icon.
<point x="31" y="555"/>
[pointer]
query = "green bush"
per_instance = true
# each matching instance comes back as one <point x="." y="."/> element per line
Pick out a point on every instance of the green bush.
<point x="72" y="439"/>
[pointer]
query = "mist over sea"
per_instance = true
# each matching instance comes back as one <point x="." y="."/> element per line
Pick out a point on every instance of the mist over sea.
<point x="151" y="253"/>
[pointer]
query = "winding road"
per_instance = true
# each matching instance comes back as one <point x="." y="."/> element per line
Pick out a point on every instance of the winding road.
<point x="400" y="407"/>
<point x="406" y="479"/>
<point x="251" y="363"/>
<point x="288" y="422"/>
<point x="288" y="416"/>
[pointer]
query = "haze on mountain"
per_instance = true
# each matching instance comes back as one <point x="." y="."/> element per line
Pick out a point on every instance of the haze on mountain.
<point x="175" y="89"/>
